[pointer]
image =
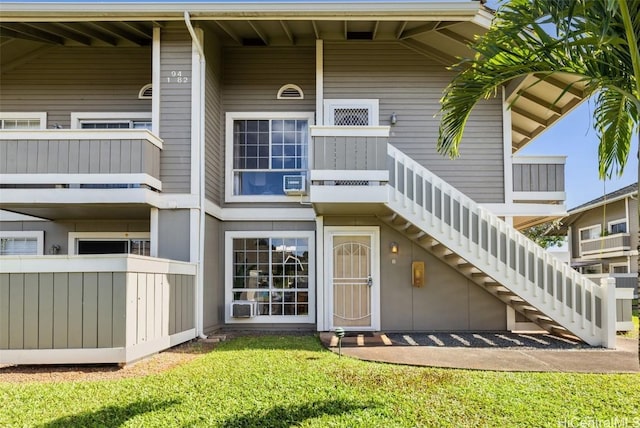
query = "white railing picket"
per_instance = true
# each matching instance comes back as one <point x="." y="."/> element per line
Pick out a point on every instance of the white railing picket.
<point x="536" y="280"/>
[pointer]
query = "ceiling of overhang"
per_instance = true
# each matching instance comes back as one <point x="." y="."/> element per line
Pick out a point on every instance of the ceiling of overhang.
<point x="536" y="105"/>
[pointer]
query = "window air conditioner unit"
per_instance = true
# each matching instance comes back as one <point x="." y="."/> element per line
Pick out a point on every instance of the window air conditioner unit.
<point x="244" y="309"/>
<point x="294" y="185"/>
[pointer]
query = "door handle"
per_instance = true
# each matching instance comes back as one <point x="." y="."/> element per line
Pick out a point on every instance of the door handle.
<point x="370" y="281"/>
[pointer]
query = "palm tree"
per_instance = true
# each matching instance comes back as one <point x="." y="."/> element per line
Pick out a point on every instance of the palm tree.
<point x="594" y="40"/>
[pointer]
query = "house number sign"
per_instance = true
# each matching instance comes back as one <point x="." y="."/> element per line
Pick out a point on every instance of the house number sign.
<point x="176" y="76"/>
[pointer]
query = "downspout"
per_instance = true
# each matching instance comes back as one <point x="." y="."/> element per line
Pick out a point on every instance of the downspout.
<point x="201" y="195"/>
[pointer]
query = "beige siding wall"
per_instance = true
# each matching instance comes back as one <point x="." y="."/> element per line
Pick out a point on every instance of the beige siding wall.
<point x="89" y="310"/>
<point x="175" y="108"/>
<point x="600" y="215"/>
<point x="78" y="79"/>
<point x="79" y="157"/>
<point x="411" y="86"/>
<point x="447" y="302"/>
<point x="253" y="75"/>
<point x="214" y="122"/>
<point x="213" y="296"/>
<point x="57" y="233"/>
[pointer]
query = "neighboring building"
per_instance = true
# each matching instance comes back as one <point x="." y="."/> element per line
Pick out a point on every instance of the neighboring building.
<point x="603" y="241"/>
<point x="209" y="165"/>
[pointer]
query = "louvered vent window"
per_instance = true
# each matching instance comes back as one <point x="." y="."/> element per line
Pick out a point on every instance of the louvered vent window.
<point x="146" y="92"/>
<point x="354" y="112"/>
<point x="351" y="117"/>
<point x="290" y="92"/>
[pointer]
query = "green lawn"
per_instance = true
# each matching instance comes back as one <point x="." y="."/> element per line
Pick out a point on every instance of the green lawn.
<point x="292" y="381"/>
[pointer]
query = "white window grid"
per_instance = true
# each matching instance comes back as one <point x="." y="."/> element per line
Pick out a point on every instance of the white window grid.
<point x="21" y="243"/>
<point x="274" y="272"/>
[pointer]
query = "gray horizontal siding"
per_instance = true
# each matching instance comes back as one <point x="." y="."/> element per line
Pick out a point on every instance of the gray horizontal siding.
<point x="350" y="153"/>
<point x="411" y="86"/>
<point x="252" y="77"/>
<point x="79" y="157"/>
<point x="214" y="133"/>
<point x="175" y="109"/>
<point x="76" y="79"/>
<point x="538" y="178"/>
<point x="88" y="310"/>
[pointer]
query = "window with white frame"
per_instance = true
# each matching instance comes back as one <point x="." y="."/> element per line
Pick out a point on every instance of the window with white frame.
<point x="618" y="226"/>
<point x="263" y="148"/>
<point x="618" y="268"/>
<point x="22" y="120"/>
<point x="104" y="120"/>
<point x="363" y="112"/>
<point x="274" y="269"/>
<point x="591" y="269"/>
<point x="87" y="243"/>
<point x="21" y="243"/>
<point x="591" y="232"/>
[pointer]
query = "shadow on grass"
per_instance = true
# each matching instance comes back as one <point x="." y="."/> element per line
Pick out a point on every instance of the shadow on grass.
<point x="281" y="342"/>
<point x="110" y="416"/>
<point x="286" y="416"/>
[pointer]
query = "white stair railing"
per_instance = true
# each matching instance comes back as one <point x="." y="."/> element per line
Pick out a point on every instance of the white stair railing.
<point x="572" y="301"/>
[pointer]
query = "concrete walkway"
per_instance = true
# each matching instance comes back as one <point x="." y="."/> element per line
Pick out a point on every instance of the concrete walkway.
<point x="462" y="354"/>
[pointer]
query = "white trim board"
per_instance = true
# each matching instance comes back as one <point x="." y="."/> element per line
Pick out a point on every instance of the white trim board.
<point x="82" y="134"/>
<point x="81" y="179"/>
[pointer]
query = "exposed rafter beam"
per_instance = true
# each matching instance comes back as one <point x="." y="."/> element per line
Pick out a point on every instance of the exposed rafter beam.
<point x="518" y="145"/>
<point x="64" y="33"/>
<point x="28" y="31"/>
<point x="113" y="30"/>
<point x="25" y="58"/>
<point x="138" y="29"/>
<point x="421" y="29"/>
<point x="540" y="102"/>
<point x="229" y="32"/>
<point x="400" y="29"/>
<point x="315" y="30"/>
<point x="513" y="87"/>
<point x="374" y="33"/>
<point x="455" y="36"/>
<point x="345" y="30"/>
<point x="531" y="116"/>
<point x="421" y="48"/>
<point x="88" y="31"/>
<point x="564" y="86"/>
<point x="5" y="32"/>
<point x="259" y="32"/>
<point x="287" y="32"/>
<point x="523" y="132"/>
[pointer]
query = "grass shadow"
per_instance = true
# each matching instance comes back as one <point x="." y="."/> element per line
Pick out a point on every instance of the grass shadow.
<point x="294" y="415"/>
<point x="110" y="415"/>
<point x="272" y="342"/>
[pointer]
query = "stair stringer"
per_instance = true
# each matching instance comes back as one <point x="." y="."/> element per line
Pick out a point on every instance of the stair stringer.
<point x="476" y="276"/>
<point x="564" y="298"/>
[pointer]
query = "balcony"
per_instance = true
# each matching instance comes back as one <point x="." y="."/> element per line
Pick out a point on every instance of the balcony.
<point x="80" y="158"/>
<point x="626" y="291"/>
<point x="93" y="309"/>
<point x="605" y="246"/>
<point x="539" y="179"/>
<point x="349" y="165"/>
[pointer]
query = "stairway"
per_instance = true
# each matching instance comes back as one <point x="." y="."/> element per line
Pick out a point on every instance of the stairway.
<point x="495" y="256"/>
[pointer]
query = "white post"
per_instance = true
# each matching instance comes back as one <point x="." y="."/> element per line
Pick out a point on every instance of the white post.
<point x="608" y="286"/>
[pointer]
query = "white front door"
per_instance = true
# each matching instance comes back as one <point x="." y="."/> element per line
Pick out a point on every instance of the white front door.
<point x="353" y="277"/>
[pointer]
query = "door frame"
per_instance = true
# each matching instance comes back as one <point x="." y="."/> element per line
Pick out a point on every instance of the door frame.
<point x="374" y="233"/>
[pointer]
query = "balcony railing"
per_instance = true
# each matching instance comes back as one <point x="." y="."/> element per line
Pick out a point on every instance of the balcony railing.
<point x="606" y="244"/>
<point x="349" y="164"/>
<point x="538" y="178"/>
<point x="626" y="291"/>
<point x="93" y="309"/>
<point x="77" y="158"/>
